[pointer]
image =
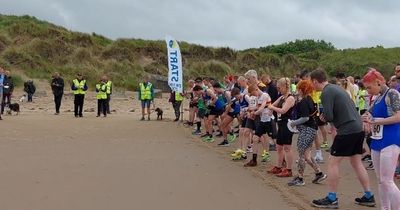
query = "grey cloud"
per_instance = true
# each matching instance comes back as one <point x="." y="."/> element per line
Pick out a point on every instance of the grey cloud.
<point x="235" y="23"/>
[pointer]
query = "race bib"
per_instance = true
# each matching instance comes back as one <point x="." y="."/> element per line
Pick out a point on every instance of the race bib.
<point x="377" y="132"/>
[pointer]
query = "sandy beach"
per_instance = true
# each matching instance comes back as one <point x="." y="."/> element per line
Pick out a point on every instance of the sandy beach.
<point x="53" y="162"/>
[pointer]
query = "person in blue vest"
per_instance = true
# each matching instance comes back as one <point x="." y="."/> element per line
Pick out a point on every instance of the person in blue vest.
<point x="146" y="96"/>
<point x="383" y="122"/>
<point x="8" y="89"/>
<point x="79" y="88"/>
<point x="2" y="76"/>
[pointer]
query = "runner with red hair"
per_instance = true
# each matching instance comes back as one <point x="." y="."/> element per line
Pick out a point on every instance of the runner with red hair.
<point x="305" y="123"/>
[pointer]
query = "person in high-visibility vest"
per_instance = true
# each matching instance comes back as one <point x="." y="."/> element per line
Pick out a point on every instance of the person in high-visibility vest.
<point x="176" y="100"/>
<point x="146" y="96"/>
<point x="79" y="88"/>
<point x="101" y="89"/>
<point x="109" y="92"/>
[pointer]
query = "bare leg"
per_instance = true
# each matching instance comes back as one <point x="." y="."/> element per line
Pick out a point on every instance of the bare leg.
<point x="362" y="174"/>
<point x="281" y="155"/>
<point x="289" y="155"/>
<point x="333" y="172"/>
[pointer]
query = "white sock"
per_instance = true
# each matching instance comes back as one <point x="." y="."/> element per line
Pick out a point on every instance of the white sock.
<point x="318" y="153"/>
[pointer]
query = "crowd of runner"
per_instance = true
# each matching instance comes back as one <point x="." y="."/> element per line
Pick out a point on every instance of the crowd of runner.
<point x="257" y="115"/>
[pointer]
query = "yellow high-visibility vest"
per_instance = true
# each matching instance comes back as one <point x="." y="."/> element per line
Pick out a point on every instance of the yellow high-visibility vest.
<point x="102" y="88"/>
<point x="145" y="92"/>
<point x="80" y="85"/>
<point x="178" y="97"/>
<point x="109" y="87"/>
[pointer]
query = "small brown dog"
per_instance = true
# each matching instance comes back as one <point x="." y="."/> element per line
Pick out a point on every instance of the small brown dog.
<point x="159" y="112"/>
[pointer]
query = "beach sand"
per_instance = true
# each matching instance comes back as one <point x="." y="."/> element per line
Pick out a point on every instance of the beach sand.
<point x="50" y="162"/>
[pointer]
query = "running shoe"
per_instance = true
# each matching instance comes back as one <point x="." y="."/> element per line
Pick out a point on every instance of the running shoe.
<point x="319" y="160"/>
<point x="324" y="145"/>
<point x="238" y="152"/>
<point x="196" y="132"/>
<point x="239" y="156"/>
<point x="319" y="177"/>
<point x="367" y="158"/>
<point x="326" y="203"/>
<point x="363" y="201"/>
<point x="275" y="170"/>
<point x="370" y="167"/>
<point x="231" y="137"/>
<point x="249" y="149"/>
<point x="265" y="156"/>
<point x="251" y="163"/>
<point x="224" y="143"/>
<point x="209" y="139"/>
<point x="204" y="135"/>
<point x="297" y="181"/>
<point x="285" y="173"/>
<point x="219" y="134"/>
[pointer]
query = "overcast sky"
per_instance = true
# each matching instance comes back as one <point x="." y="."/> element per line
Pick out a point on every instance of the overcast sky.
<point x="238" y="24"/>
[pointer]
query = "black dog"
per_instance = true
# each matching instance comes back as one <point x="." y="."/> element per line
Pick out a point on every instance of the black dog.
<point x="13" y="108"/>
<point x="159" y="113"/>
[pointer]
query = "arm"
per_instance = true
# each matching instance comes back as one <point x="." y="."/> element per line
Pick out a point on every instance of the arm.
<point x="73" y="87"/>
<point x="85" y="87"/>
<point x="262" y="106"/>
<point x="212" y="95"/>
<point x="152" y="92"/>
<point x="289" y="103"/>
<point x="327" y="100"/>
<point x="300" y="121"/>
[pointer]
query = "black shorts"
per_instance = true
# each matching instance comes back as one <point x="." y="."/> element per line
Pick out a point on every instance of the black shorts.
<point x="193" y="105"/>
<point x="284" y="136"/>
<point x="348" y="145"/>
<point x="250" y="124"/>
<point x="263" y="128"/>
<point x="215" y="112"/>
<point x="233" y="114"/>
<point x="244" y="120"/>
<point x="201" y="113"/>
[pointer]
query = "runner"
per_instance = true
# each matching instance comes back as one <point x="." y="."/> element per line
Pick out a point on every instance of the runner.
<point x="231" y="112"/>
<point x="283" y="106"/>
<point x="384" y="117"/>
<point x="262" y="122"/>
<point x="216" y="105"/>
<point x="198" y="95"/>
<point x="307" y="133"/>
<point x="347" y="143"/>
<point x="240" y="153"/>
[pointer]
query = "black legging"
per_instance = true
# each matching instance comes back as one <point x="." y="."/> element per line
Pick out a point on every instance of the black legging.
<point x="102" y="107"/>
<point x="6" y="100"/>
<point x="78" y="102"/>
<point x="57" y="102"/>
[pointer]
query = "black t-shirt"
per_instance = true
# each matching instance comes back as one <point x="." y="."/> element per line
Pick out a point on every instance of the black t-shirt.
<point x="272" y="91"/>
<point x="306" y="108"/>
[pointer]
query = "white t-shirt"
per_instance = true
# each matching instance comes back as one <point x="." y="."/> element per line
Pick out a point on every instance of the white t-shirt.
<point x="264" y="117"/>
<point x="252" y="102"/>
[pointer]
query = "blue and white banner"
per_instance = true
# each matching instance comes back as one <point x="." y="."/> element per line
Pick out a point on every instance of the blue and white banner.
<point x="175" y="75"/>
